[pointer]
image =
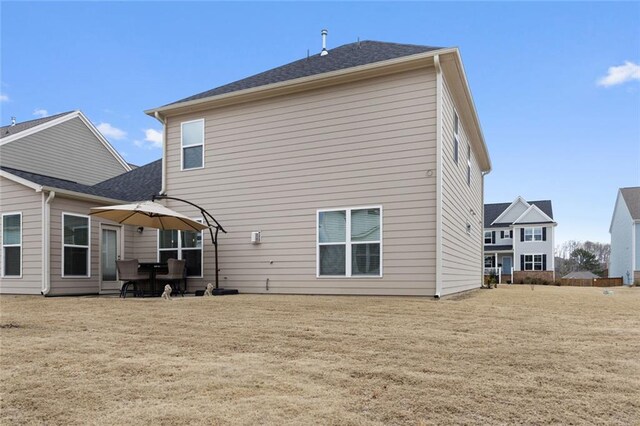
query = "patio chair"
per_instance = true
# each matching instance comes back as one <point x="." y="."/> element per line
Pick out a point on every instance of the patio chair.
<point x="177" y="274"/>
<point x="128" y="272"/>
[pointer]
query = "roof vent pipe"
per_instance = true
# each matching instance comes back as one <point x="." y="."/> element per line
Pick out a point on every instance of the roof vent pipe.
<point x="324" y="43"/>
<point x="13" y="121"/>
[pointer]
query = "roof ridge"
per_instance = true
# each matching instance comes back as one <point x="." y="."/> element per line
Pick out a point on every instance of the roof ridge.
<point x="46" y="118"/>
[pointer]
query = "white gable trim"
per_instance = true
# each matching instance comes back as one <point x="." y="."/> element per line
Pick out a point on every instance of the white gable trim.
<point x="531" y="208"/>
<point x="615" y="209"/>
<point x="518" y="199"/>
<point x="61" y="120"/>
<point x="21" y="181"/>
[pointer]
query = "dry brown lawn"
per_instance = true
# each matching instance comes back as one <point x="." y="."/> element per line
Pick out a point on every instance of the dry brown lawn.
<point x="512" y="355"/>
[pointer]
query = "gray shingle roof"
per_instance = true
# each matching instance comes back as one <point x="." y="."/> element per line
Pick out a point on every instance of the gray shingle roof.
<point x="632" y="198"/>
<point x="6" y="131"/>
<point x="342" y="57"/>
<point x="581" y="275"/>
<point x="492" y="211"/>
<point x="137" y="185"/>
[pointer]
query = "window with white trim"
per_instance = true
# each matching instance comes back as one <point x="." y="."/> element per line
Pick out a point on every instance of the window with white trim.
<point x="532" y="262"/>
<point x="488" y="237"/>
<point x="489" y="261"/>
<point x="12" y="245"/>
<point x="192" y="141"/>
<point x="350" y="242"/>
<point x="456" y="136"/>
<point x="76" y="245"/>
<point x="533" y="234"/>
<point x="186" y="245"/>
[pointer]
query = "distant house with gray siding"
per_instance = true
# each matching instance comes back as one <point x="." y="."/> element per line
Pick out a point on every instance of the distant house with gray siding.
<point x="624" y="260"/>
<point x="361" y="169"/>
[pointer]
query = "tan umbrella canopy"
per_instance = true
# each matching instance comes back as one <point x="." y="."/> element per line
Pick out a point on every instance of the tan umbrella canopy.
<point x="149" y="214"/>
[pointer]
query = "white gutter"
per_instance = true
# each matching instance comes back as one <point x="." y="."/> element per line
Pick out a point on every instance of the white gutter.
<point x="482" y="175"/>
<point x="439" y="153"/>
<point x="158" y="117"/>
<point x="46" y="229"/>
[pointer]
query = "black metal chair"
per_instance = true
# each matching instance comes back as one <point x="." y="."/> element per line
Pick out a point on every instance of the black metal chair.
<point x="128" y="272"/>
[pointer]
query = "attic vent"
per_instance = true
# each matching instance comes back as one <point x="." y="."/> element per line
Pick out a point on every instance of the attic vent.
<point x="324" y="43"/>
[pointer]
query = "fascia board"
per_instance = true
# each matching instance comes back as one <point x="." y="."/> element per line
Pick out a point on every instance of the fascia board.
<point x="304" y="83"/>
<point x="21" y="181"/>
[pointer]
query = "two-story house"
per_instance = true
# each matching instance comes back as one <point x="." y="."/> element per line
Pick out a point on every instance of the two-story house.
<point x="519" y="240"/>
<point x="355" y="171"/>
<point x="624" y="260"/>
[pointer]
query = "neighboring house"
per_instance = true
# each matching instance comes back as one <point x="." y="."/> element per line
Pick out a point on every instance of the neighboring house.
<point x="519" y="239"/>
<point x="624" y="260"/>
<point x="53" y="170"/>
<point x="361" y="169"/>
<point x="581" y="275"/>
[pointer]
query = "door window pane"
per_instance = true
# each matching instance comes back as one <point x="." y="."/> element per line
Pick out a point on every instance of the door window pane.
<point x="109" y="254"/>
<point x="332" y="260"/>
<point x="332" y="226"/>
<point x="193" y="260"/>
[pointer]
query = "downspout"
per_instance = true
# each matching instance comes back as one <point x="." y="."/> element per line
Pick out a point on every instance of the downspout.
<point x="439" y="153"/>
<point x="46" y="229"/>
<point x="482" y="175"/>
<point x="164" y="151"/>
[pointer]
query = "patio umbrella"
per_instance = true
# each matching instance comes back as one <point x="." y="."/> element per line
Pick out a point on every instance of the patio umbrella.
<point x="149" y="214"/>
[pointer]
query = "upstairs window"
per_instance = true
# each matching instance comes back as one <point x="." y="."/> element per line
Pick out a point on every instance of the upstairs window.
<point x="192" y="138"/>
<point x="489" y="237"/>
<point x="456" y="136"/>
<point x="349" y="242"/>
<point x="533" y="234"/>
<point x="12" y="245"/>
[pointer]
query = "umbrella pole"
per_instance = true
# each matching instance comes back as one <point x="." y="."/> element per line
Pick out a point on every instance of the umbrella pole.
<point x="206" y="215"/>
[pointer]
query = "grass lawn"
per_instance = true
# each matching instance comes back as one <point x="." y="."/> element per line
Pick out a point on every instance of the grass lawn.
<point x="511" y="355"/>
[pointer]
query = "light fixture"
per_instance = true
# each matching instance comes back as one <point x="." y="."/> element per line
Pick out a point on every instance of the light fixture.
<point x="140" y="229"/>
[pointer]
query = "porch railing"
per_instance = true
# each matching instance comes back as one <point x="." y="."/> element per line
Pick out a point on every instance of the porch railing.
<point x="494" y="271"/>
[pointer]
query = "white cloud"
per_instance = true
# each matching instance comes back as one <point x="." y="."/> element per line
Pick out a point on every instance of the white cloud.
<point x="40" y="112"/>
<point x="620" y="74"/>
<point x="154" y="137"/>
<point x="4" y="97"/>
<point x="111" y="132"/>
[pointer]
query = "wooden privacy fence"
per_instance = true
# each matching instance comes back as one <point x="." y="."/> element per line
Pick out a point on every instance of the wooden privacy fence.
<point x="591" y="282"/>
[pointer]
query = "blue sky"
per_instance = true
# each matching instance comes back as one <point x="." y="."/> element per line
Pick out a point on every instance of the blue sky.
<point x="553" y="132"/>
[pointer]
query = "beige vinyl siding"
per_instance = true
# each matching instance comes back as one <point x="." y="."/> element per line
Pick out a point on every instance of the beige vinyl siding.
<point x="461" y="252"/>
<point x="145" y="245"/>
<point x="271" y="164"/>
<point x="68" y="150"/>
<point x="16" y="198"/>
<point x="79" y="285"/>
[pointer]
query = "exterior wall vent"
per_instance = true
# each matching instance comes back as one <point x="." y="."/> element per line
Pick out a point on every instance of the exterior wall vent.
<point x="255" y="237"/>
